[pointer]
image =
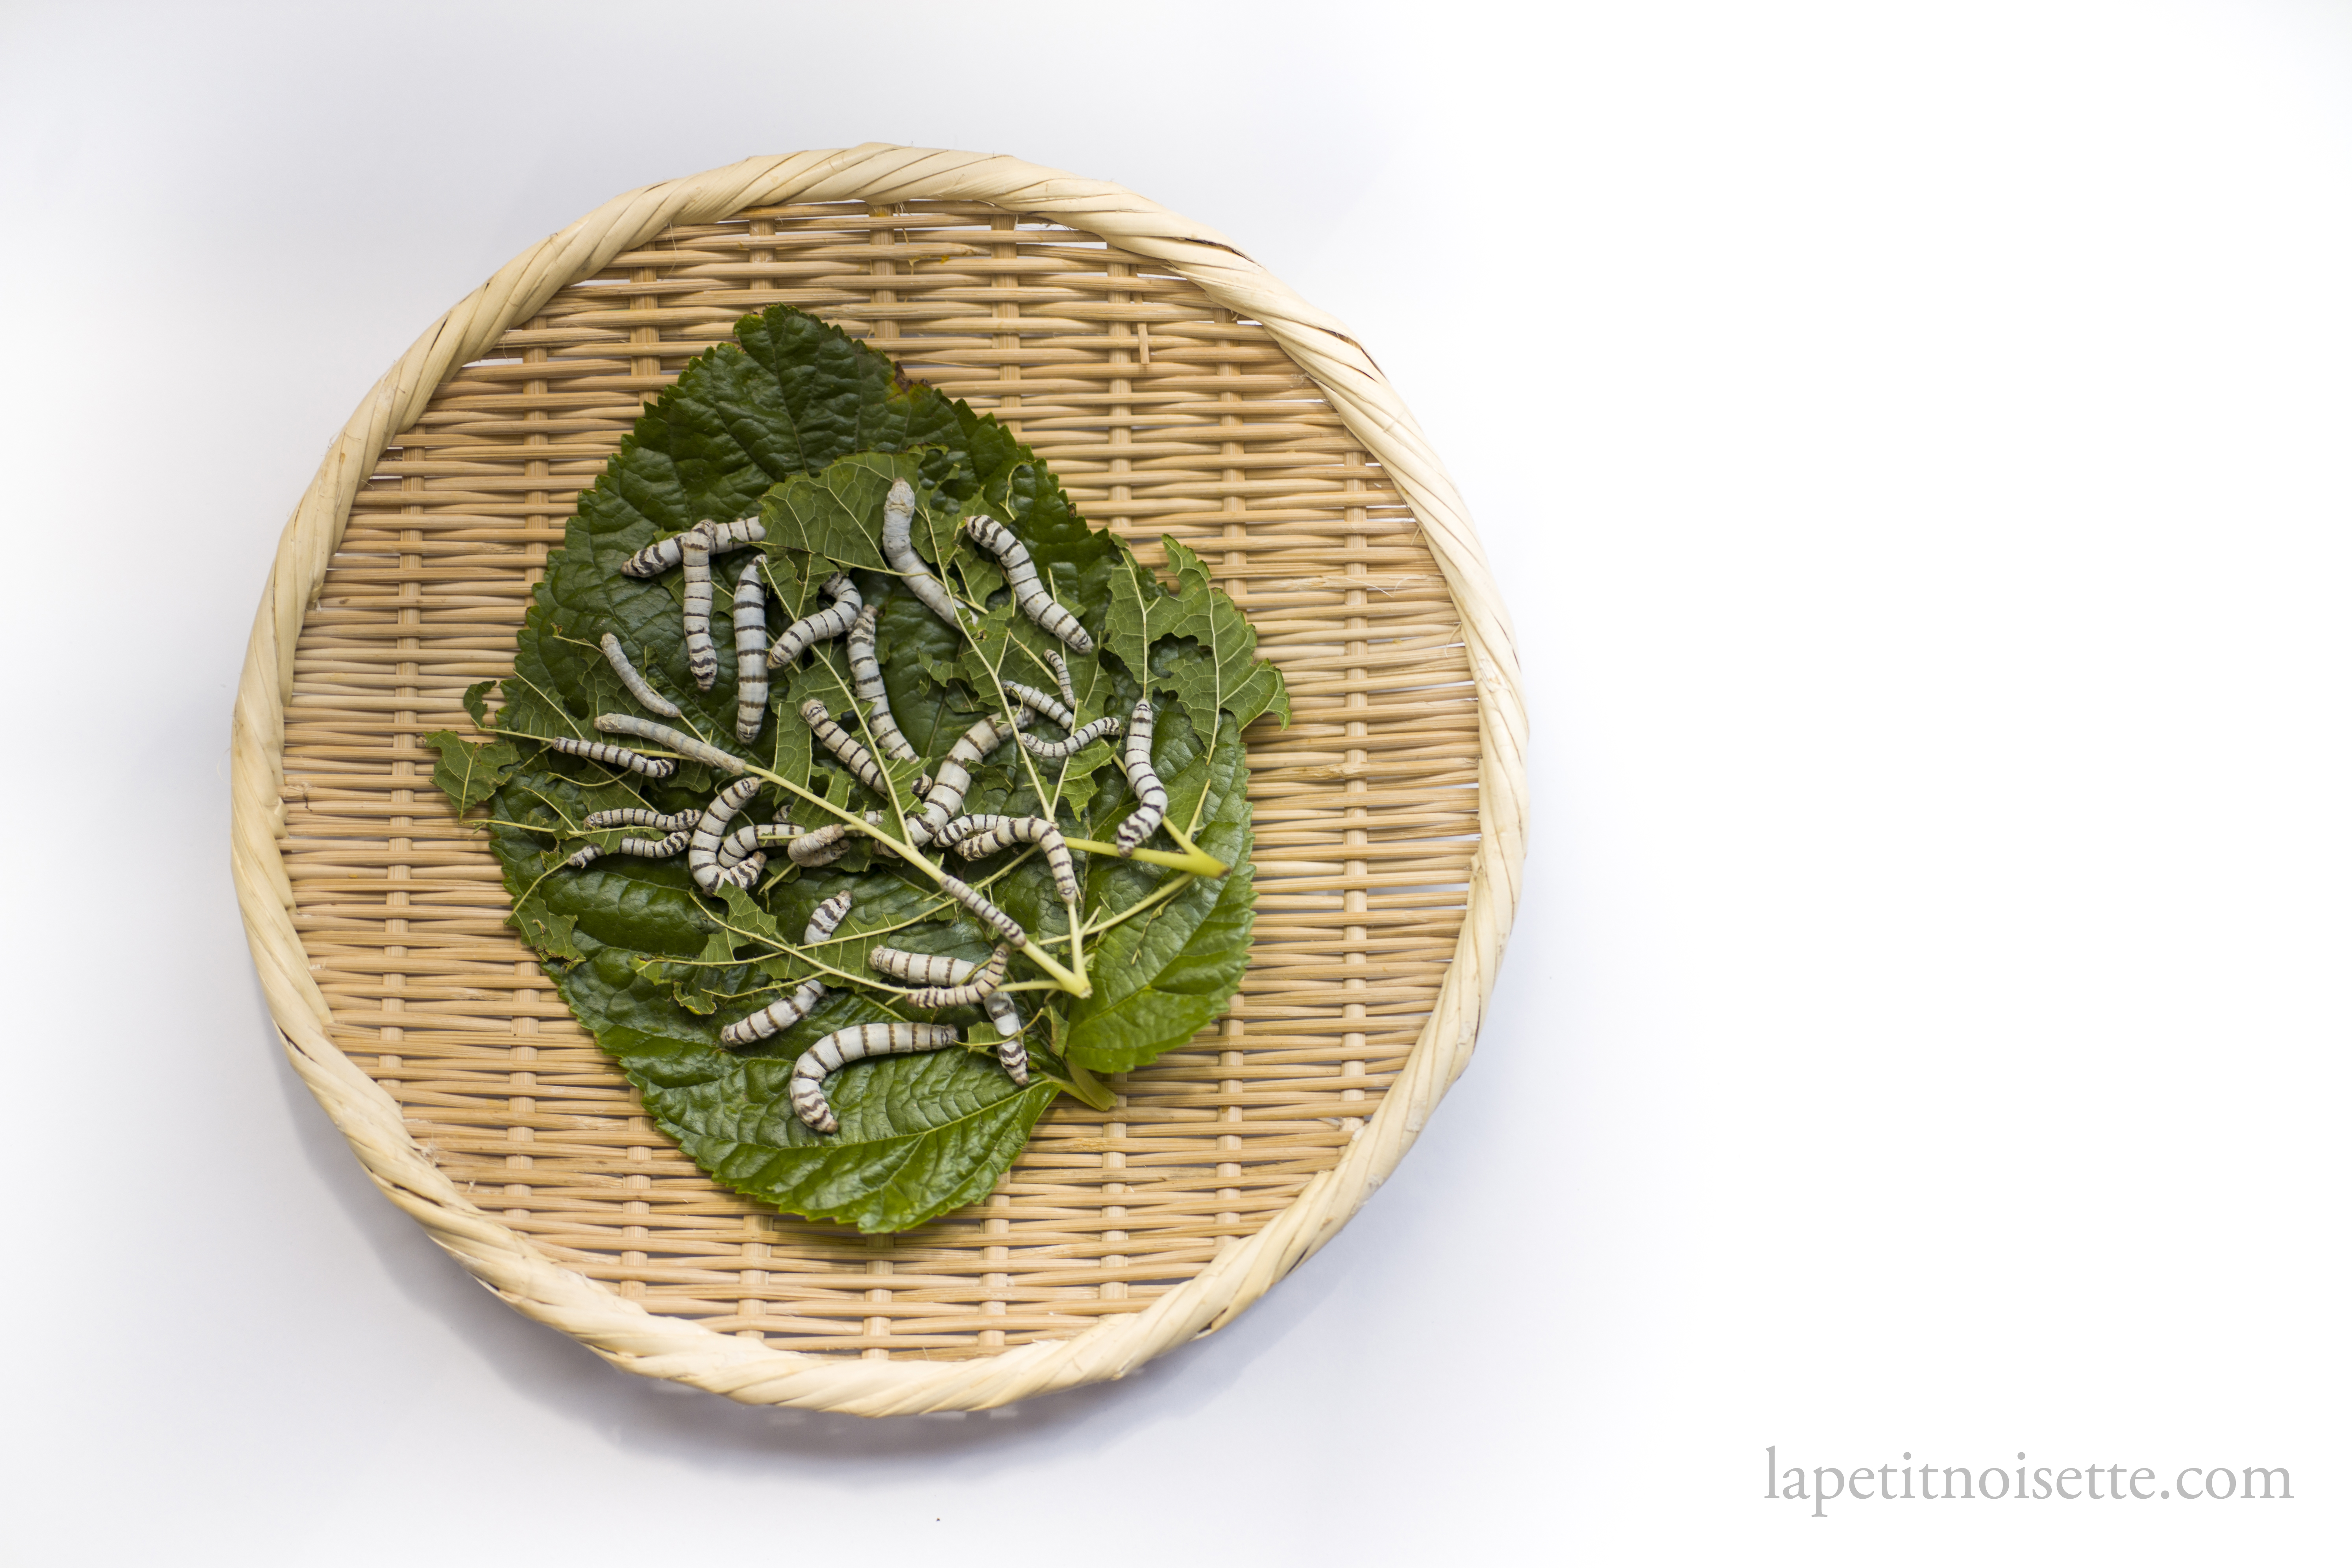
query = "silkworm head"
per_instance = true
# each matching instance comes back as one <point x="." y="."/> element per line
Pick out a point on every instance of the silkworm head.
<point x="813" y="712"/>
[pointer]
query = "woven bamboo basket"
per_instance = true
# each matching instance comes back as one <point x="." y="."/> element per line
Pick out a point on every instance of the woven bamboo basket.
<point x="1177" y="388"/>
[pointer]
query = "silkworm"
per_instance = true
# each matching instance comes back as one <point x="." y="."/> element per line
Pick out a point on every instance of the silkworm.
<point x="750" y="614"/>
<point x="702" y="653"/>
<point x="779" y="1016"/>
<point x="661" y="848"/>
<point x="921" y="968"/>
<point x="899" y="549"/>
<point x="1021" y="577"/>
<point x="973" y="836"/>
<point x="1061" y="682"/>
<point x="677" y="741"/>
<point x="844" y="746"/>
<point x="612" y="756"/>
<point x="1073" y="743"/>
<point x="702" y="848"/>
<point x="866" y="678"/>
<point x="639" y="816"/>
<point x="823" y="845"/>
<point x="773" y="834"/>
<point x="1148" y="790"/>
<point x="583" y="857"/>
<point x="1012" y="1052"/>
<point x="838" y="1050"/>
<point x="1005" y="925"/>
<point x="720" y="537"/>
<point x="1039" y="703"/>
<point x="825" y="625"/>
<point x="944" y="800"/>
<point x="980" y="981"/>
<point x="642" y="848"/>
<point x="638" y="686"/>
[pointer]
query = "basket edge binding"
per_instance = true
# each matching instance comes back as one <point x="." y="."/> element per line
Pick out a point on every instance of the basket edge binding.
<point x="615" y="1328"/>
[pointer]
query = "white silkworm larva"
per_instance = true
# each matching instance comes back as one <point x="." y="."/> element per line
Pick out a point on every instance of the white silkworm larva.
<point x="844" y="746"/>
<point x="982" y="981"/>
<point x="1073" y="743"/>
<point x="782" y="1014"/>
<point x="703" y="849"/>
<point x="614" y="757"/>
<point x="1061" y="682"/>
<point x="738" y="845"/>
<point x="973" y="836"/>
<point x="773" y="835"/>
<point x="702" y="653"/>
<point x="720" y="537"/>
<point x="1039" y="703"/>
<point x="865" y="680"/>
<point x="1148" y="790"/>
<point x="1021" y="577"/>
<point x="823" y="845"/>
<point x="638" y="686"/>
<point x="1012" y="1052"/>
<point x="642" y="848"/>
<point x="639" y="816"/>
<point x="944" y="800"/>
<point x="921" y="968"/>
<point x="751" y="617"/>
<point x="677" y="741"/>
<point x="825" y="625"/>
<point x="1005" y="925"/>
<point x="899" y="549"/>
<point x="838" y="1050"/>
<point x="582" y="857"/>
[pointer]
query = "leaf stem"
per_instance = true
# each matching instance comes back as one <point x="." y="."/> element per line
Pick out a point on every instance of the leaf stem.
<point x="1198" y="862"/>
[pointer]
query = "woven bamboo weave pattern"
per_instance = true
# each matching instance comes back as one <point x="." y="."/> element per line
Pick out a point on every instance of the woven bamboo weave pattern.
<point x="1164" y="411"/>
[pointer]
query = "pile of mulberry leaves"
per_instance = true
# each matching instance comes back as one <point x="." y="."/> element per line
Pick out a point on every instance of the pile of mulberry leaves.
<point x="805" y="427"/>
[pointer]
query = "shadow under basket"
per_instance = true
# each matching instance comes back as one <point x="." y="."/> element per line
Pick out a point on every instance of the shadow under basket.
<point x="1177" y="389"/>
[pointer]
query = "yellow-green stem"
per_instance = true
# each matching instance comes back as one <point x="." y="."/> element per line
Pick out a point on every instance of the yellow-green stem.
<point x="1198" y="862"/>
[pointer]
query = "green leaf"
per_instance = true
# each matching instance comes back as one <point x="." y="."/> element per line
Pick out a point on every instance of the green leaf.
<point x="470" y="773"/>
<point x="807" y="430"/>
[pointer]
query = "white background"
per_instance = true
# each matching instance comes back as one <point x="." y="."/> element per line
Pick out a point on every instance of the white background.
<point x="1914" y="439"/>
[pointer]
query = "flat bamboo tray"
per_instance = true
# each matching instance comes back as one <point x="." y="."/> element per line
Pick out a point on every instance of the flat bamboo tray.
<point x="1177" y="388"/>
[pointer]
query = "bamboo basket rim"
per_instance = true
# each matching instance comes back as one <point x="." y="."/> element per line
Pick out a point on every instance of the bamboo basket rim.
<point x="513" y="1266"/>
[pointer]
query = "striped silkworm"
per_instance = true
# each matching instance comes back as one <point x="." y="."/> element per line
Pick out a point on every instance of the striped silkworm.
<point x="751" y="617"/>
<point x="823" y="627"/>
<point x="921" y="968"/>
<point x="702" y="653"/>
<point x="823" y="845"/>
<point x="1148" y="790"/>
<point x="1039" y="703"/>
<point x="1062" y="683"/>
<point x="774" y="834"/>
<point x="1076" y="740"/>
<point x="612" y="756"/>
<point x="718" y="537"/>
<point x="1005" y="925"/>
<point x="677" y="741"/>
<point x="642" y="848"/>
<point x="639" y="688"/>
<point x="979" y="981"/>
<point x="779" y="1016"/>
<point x="838" y="1050"/>
<point x="865" y="680"/>
<point x="582" y="857"/>
<point x="1011" y="1053"/>
<point x="1021" y="577"/>
<point x="943" y="802"/>
<point x="639" y="816"/>
<point x="702" y="848"/>
<point x="899" y="549"/>
<point x="846" y="747"/>
<point x="973" y="836"/>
